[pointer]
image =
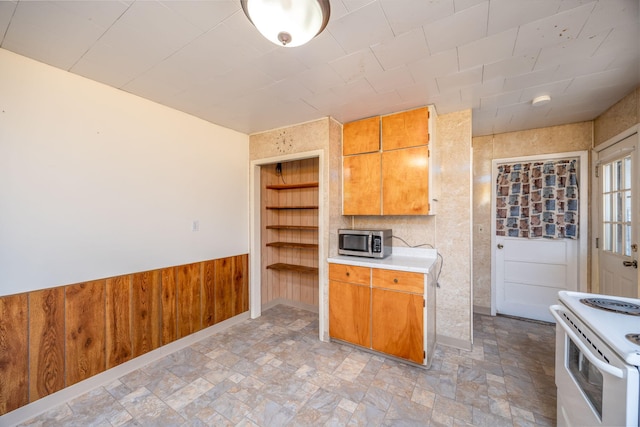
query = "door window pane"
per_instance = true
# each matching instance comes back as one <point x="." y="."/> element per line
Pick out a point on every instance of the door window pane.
<point x="617" y="206"/>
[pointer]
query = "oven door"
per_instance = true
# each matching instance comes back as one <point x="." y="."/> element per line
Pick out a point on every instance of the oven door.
<point x="595" y="386"/>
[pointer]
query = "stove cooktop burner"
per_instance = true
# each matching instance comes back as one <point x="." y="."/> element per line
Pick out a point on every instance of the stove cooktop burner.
<point x="634" y="338"/>
<point x="616" y="306"/>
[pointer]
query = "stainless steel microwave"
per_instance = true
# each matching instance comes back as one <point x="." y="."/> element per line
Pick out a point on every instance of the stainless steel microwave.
<point x="365" y="243"/>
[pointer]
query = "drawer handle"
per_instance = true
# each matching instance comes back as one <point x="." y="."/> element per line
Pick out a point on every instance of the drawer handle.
<point x="395" y="280"/>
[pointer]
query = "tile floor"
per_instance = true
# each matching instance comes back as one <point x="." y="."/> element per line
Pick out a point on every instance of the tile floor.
<point x="273" y="371"/>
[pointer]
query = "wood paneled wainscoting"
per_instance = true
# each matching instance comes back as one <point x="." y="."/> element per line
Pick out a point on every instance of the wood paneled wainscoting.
<point x="53" y="338"/>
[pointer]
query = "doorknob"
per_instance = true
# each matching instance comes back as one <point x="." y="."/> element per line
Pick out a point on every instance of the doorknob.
<point x="500" y="246"/>
<point x="633" y="263"/>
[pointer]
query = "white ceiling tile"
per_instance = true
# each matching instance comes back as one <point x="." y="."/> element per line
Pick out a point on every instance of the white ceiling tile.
<point x="500" y="99"/>
<point x="579" y="67"/>
<point x="459" y="80"/>
<point x="507" y="14"/>
<point x="608" y="14"/>
<point x="57" y="35"/>
<point x="529" y="79"/>
<point x="552" y="30"/>
<point x="389" y="80"/>
<point x="356" y="65"/>
<point x="471" y="95"/>
<point x="7" y="9"/>
<point x="154" y="22"/>
<point x="319" y="79"/>
<point x="600" y="80"/>
<point x="351" y="5"/>
<point x="425" y="90"/>
<point x="464" y="4"/>
<point x="403" y="49"/>
<point x="487" y="50"/>
<point x="622" y="40"/>
<point x="569" y="51"/>
<point x="204" y="14"/>
<point x="447" y="102"/>
<point x="406" y="15"/>
<point x="319" y="51"/>
<point x="471" y="24"/>
<point x="510" y="67"/>
<point x="372" y="25"/>
<point x="287" y="91"/>
<point x="436" y="65"/>
<point x="280" y="64"/>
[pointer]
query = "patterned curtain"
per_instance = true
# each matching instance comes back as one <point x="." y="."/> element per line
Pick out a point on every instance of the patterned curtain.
<point x="538" y="199"/>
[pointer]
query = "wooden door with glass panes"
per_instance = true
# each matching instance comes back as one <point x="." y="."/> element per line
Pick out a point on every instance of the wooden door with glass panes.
<point x="617" y="243"/>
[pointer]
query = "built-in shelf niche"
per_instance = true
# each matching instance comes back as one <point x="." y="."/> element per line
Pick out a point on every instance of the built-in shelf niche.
<point x="289" y="232"/>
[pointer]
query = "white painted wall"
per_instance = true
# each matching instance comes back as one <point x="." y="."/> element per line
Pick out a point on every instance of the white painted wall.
<point x="95" y="182"/>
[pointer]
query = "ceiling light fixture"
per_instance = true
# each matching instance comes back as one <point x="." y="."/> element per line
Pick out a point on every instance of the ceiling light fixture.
<point x="288" y="23"/>
<point x="540" y="100"/>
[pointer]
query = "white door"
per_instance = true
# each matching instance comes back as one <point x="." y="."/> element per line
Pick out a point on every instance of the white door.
<point x="530" y="272"/>
<point x="527" y="273"/>
<point x="617" y="234"/>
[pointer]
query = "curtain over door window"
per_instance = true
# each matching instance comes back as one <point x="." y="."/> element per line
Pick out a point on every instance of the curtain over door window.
<point x="537" y="199"/>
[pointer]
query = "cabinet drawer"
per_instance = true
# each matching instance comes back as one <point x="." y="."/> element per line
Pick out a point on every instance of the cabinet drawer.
<point x="349" y="273"/>
<point x="398" y="280"/>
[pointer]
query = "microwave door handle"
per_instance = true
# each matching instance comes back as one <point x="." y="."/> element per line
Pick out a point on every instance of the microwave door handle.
<point x="611" y="370"/>
<point x="370" y="244"/>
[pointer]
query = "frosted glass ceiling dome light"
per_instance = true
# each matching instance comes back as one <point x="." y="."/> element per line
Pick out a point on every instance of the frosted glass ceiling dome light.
<point x="288" y="23"/>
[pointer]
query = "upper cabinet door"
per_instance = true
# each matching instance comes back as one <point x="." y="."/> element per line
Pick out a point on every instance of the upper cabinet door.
<point x="361" y="184"/>
<point x="405" y="181"/>
<point x="362" y="136"/>
<point x="406" y="129"/>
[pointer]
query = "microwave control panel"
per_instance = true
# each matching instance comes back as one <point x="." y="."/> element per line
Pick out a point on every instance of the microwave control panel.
<point x="377" y="244"/>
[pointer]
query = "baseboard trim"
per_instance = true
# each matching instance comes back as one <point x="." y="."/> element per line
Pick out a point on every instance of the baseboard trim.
<point x="479" y="309"/>
<point x="454" y="342"/>
<point x="46" y="403"/>
<point x="290" y="303"/>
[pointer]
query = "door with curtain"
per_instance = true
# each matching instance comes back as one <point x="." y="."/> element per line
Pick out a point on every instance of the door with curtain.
<point x="617" y="226"/>
<point x="536" y="234"/>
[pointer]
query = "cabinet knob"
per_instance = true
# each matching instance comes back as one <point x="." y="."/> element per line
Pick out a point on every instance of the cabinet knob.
<point x="395" y="280"/>
<point x="348" y="274"/>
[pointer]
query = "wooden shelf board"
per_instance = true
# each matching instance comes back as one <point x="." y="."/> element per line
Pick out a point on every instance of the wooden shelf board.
<point x="293" y="245"/>
<point x="291" y="267"/>
<point x="292" y="207"/>
<point x="293" y="227"/>
<point x="292" y="186"/>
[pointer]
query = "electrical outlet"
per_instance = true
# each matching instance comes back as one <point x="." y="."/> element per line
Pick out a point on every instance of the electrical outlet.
<point x="195" y="225"/>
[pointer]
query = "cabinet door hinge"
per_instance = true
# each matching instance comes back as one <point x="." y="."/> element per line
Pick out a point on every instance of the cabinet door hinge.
<point x="597" y="171"/>
<point x="597" y="242"/>
<point x="424" y="355"/>
<point x="424" y="302"/>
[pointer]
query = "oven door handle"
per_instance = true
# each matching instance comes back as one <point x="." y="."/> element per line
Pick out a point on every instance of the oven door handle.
<point x="611" y="370"/>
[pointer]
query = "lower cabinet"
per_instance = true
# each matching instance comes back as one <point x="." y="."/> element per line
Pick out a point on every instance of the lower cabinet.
<point x="350" y="304"/>
<point x="379" y="309"/>
<point x="398" y="324"/>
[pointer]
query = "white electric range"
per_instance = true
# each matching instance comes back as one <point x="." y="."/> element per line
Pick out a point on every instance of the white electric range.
<point x="597" y="359"/>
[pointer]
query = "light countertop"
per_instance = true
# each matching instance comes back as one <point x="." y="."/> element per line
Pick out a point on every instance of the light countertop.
<point x="417" y="260"/>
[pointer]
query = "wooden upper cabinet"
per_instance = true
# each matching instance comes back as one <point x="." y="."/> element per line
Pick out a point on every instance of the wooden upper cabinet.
<point x="362" y="136"/>
<point x="361" y="184"/>
<point x="405" y="129"/>
<point x="405" y="181"/>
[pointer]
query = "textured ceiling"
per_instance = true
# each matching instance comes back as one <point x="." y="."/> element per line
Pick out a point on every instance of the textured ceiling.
<point x="375" y="57"/>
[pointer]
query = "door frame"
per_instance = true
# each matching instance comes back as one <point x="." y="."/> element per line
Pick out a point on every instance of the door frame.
<point x="583" y="228"/>
<point x="255" y="260"/>
<point x="595" y="209"/>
